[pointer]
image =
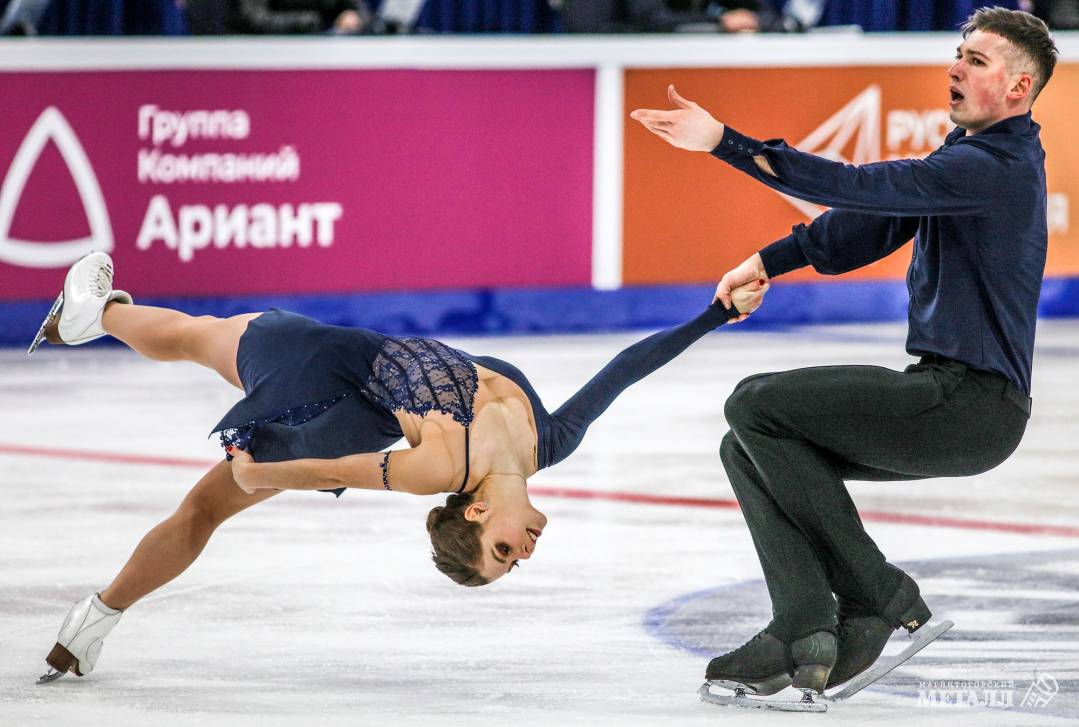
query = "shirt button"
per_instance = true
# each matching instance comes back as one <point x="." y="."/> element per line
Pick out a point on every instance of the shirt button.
<point x="730" y="143"/>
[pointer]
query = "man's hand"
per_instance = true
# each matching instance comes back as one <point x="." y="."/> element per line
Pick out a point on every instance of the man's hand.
<point x="241" y="469"/>
<point x="688" y="126"/>
<point x="752" y="269"/>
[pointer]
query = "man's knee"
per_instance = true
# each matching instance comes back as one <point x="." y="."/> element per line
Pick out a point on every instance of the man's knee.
<point x="746" y="400"/>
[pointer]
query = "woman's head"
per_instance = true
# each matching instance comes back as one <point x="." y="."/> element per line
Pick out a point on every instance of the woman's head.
<point x="479" y="537"/>
<point x="455" y="541"/>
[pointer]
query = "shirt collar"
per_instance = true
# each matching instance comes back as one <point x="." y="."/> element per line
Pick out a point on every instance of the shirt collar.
<point x="1011" y="125"/>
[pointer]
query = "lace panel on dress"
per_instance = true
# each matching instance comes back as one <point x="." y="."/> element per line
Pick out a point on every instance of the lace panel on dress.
<point x="420" y="375"/>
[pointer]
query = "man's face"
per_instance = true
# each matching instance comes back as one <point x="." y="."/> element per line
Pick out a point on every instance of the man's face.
<point x="987" y="82"/>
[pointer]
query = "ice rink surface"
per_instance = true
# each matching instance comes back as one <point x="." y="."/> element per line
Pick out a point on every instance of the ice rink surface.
<point x="308" y="610"/>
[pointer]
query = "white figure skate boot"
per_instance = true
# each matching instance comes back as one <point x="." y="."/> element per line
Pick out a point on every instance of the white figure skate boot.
<point x="80" y="639"/>
<point x="75" y="317"/>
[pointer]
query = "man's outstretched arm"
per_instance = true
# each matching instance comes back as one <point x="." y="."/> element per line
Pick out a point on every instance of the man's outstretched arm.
<point x="958" y="179"/>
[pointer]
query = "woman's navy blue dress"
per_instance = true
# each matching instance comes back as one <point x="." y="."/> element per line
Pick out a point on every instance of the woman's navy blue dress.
<point x="320" y="391"/>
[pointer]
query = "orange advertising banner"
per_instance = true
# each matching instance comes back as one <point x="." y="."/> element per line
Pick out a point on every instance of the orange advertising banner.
<point x="688" y="217"/>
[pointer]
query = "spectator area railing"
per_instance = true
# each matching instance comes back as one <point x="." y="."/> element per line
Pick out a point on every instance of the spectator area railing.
<point x="166" y="17"/>
<point x="459" y="185"/>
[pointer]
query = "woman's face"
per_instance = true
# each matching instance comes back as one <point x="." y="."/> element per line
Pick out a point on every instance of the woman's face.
<point x="510" y="533"/>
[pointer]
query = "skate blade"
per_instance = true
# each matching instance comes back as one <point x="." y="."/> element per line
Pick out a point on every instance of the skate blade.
<point x="50" y="676"/>
<point x="51" y="318"/>
<point x="920" y="639"/>
<point x="739" y="699"/>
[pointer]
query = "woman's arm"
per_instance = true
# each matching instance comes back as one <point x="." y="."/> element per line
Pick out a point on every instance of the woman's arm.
<point x="573" y="418"/>
<point x="422" y="470"/>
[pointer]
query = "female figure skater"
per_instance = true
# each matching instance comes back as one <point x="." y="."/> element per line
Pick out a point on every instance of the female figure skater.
<point x="321" y="403"/>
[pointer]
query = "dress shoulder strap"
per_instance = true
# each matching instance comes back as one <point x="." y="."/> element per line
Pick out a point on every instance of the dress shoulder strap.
<point x="464" y="482"/>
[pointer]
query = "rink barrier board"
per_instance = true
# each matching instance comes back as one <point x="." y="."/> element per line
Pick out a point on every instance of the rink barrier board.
<point x="560" y="310"/>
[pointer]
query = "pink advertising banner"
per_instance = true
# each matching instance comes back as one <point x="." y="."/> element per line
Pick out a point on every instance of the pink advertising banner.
<point x="247" y="182"/>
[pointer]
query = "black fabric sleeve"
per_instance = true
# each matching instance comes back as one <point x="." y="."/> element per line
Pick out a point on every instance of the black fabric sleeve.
<point x="966" y="177"/>
<point x="837" y="242"/>
<point x="782" y="256"/>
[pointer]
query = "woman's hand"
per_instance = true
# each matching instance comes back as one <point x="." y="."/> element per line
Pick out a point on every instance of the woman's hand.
<point x="241" y="469"/>
<point x="748" y="298"/>
<point x="744" y="276"/>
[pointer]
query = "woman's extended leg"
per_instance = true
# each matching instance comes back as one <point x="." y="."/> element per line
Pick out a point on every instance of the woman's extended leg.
<point x="174" y="544"/>
<point x="163" y="334"/>
<point x="164" y="553"/>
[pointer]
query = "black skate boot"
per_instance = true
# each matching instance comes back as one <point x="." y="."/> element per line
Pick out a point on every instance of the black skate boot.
<point x="862" y="634"/>
<point x="761" y="666"/>
<point x="766" y="665"/>
<point x="860" y="643"/>
<point x="907" y="609"/>
<point x="814" y="657"/>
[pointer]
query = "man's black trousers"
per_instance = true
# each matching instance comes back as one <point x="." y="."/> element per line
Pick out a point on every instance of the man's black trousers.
<point x="797" y="435"/>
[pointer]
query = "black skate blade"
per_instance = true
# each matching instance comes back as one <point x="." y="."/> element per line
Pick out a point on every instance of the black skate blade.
<point x="50" y="676"/>
<point x="739" y="699"/>
<point x="920" y="639"/>
<point x="48" y="319"/>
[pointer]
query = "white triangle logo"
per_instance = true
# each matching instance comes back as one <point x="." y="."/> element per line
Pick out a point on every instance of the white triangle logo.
<point x="860" y="116"/>
<point x="52" y="125"/>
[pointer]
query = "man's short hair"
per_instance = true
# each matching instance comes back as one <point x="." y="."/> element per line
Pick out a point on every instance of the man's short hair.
<point x="1027" y="33"/>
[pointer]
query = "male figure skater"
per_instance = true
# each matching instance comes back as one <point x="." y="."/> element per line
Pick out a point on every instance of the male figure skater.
<point x="977" y="209"/>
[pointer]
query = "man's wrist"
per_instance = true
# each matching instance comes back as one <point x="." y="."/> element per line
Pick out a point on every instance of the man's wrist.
<point x="720" y="131"/>
<point x="782" y="256"/>
<point x="733" y="145"/>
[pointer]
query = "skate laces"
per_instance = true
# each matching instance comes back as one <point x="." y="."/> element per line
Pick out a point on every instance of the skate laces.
<point x="100" y="282"/>
<point x="746" y="645"/>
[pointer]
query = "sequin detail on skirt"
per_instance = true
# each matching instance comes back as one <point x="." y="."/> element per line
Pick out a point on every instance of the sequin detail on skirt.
<point x="420" y="375"/>
<point x="241" y="436"/>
